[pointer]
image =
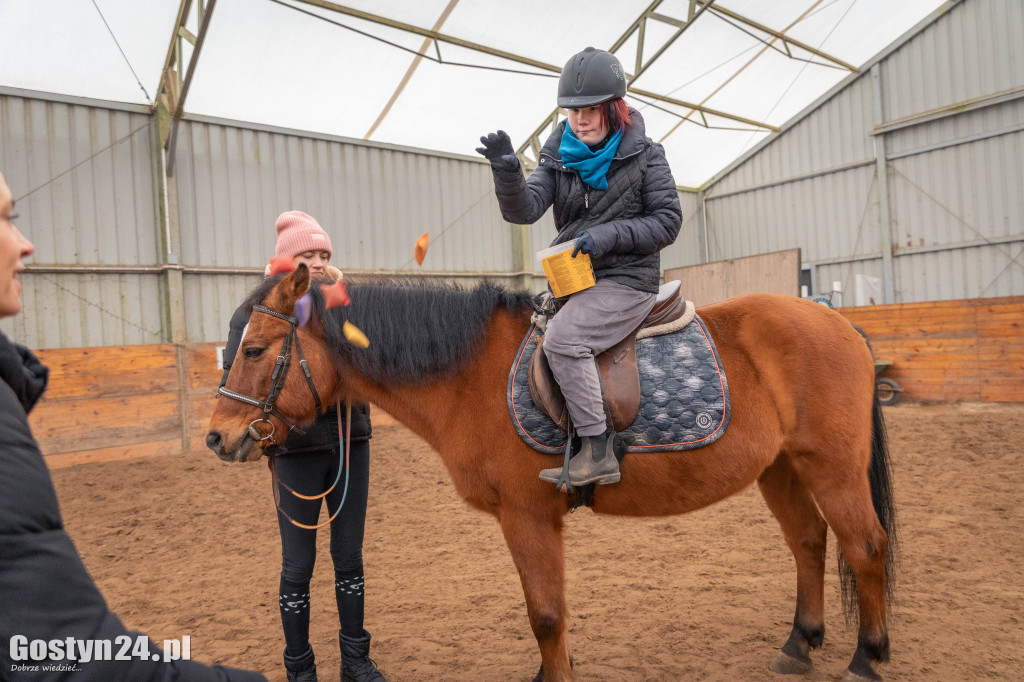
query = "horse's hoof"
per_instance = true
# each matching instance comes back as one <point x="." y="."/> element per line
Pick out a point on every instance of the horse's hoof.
<point x="851" y="676"/>
<point x="788" y="665"/>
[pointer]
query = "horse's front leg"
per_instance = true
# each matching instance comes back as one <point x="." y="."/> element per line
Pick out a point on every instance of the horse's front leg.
<point x="534" y="537"/>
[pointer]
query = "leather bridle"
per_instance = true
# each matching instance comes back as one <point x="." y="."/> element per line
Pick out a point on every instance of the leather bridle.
<point x="284" y="359"/>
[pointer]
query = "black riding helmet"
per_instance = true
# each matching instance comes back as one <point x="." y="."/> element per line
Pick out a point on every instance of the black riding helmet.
<point x="591" y="77"/>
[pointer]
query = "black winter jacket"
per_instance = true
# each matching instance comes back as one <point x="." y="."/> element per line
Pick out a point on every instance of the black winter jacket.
<point x="631" y="221"/>
<point x="323" y="433"/>
<point x="46" y="592"/>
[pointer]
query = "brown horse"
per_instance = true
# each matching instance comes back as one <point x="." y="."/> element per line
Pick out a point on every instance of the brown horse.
<point x="805" y="425"/>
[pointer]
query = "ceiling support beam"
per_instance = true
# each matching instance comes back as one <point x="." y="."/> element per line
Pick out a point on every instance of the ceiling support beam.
<point x="780" y="35"/>
<point x="174" y="86"/>
<point x="175" y="80"/>
<point x="427" y="42"/>
<point x="431" y="34"/>
<point x="743" y="68"/>
<point x="703" y="109"/>
<point x="697" y="7"/>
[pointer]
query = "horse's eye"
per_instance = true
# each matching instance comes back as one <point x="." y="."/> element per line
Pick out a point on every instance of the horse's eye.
<point x="252" y="352"/>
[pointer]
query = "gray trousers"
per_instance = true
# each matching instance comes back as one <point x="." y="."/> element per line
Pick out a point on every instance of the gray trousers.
<point x="591" y="321"/>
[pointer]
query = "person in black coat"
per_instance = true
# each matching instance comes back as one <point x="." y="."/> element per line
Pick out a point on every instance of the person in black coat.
<point x="308" y="463"/>
<point x="51" y="612"/>
<point x="613" y="195"/>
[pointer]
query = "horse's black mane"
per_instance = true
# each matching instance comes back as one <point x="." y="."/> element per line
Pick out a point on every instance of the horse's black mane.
<point x="417" y="329"/>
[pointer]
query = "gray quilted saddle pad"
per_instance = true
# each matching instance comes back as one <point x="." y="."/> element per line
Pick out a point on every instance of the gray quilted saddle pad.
<point x="684" y="401"/>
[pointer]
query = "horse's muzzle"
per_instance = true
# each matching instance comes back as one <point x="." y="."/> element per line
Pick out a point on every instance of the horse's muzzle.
<point x="216" y="442"/>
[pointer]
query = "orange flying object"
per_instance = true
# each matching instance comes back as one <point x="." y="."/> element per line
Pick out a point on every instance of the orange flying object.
<point x="335" y="294"/>
<point x="282" y="264"/>
<point x="421" y="247"/>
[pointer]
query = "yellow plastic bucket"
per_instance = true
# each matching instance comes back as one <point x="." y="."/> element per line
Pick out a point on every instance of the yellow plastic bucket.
<point x="566" y="274"/>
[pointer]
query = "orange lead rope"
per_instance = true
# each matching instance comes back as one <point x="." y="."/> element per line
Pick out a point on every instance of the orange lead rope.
<point x="343" y="462"/>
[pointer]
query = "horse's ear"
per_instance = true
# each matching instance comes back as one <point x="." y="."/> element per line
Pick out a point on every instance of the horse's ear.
<point x="294" y="286"/>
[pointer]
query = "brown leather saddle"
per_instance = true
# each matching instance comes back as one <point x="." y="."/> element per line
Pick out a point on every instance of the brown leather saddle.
<point x="620" y="378"/>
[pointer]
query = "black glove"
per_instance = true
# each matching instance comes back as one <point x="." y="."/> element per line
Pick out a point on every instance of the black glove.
<point x="585" y="244"/>
<point x="497" y="148"/>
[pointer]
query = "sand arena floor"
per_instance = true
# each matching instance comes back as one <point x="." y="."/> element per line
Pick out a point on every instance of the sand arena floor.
<point x="189" y="545"/>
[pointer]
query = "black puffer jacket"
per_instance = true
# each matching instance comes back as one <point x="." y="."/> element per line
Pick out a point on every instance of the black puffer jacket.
<point x="631" y="221"/>
<point x="323" y="434"/>
<point x="45" y="591"/>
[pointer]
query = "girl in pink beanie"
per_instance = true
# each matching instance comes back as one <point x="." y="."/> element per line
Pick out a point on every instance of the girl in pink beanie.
<point x="309" y="464"/>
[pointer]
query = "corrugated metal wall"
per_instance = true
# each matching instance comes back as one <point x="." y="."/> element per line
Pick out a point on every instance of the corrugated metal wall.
<point x="952" y="121"/>
<point x="84" y="181"/>
<point x="373" y="200"/>
<point x="688" y="248"/>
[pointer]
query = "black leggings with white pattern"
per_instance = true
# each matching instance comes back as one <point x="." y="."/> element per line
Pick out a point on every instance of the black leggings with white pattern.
<point x="311" y="473"/>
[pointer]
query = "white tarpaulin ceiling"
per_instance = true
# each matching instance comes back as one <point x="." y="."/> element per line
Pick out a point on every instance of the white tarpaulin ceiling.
<point x="298" y="65"/>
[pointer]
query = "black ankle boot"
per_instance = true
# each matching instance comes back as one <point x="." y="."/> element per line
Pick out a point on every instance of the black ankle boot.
<point x="594" y="463"/>
<point x="356" y="664"/>
<point x="300" y="668"/>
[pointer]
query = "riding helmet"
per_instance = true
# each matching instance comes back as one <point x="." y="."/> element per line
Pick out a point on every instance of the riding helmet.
<point x="591" y="77"/>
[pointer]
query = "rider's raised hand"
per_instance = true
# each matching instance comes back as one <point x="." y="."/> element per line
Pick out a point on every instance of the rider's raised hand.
<point x="497" y="148"/>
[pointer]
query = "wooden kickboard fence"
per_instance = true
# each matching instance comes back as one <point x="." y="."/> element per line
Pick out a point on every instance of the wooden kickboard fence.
<point x="970" y="350"/>
<point x="124" y="402"/>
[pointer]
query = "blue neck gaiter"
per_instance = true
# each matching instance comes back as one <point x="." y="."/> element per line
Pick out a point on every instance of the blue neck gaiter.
<point x="592" y="166"/>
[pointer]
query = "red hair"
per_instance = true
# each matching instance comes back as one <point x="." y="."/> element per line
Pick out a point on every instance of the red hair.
<point x="615" y="112"/>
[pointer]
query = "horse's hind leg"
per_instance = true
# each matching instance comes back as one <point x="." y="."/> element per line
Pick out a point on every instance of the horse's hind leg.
<point x="535" y="542"/>
<point x="805" y="532"/>
<point x="849" y="512"/>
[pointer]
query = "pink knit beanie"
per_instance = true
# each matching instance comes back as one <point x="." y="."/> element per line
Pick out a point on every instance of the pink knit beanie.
<point x="298" y="232"/>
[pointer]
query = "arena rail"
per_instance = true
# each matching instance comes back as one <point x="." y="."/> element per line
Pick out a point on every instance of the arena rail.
<point x="965" y="350"/>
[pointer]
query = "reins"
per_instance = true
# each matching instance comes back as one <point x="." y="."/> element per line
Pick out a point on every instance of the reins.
<point x="343" y="462"/>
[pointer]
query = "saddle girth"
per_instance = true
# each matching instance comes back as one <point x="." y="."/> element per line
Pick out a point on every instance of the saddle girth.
<point x="616" y="367"/>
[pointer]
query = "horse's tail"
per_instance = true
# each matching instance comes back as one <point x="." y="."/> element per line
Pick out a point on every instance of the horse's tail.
<point x="880" y="479"/>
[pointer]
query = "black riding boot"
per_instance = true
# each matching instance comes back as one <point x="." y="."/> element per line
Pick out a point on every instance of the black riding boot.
<point x="356" y="664"/>
<point x="594" y="463"/>
<point x="300" y="668"/>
